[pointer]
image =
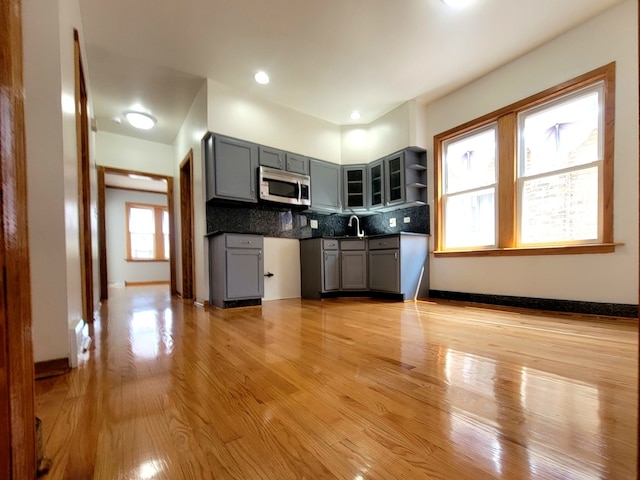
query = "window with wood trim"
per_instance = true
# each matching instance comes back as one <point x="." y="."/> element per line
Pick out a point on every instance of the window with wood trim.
<point x="147" y="232"/>
<point x="535" y="177"/>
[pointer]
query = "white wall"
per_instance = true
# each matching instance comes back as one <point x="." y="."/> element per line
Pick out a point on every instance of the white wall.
<point x="603" y="278"/>
<point x="241" y="116"/>
<point x="128" y="153"/>
<point x="118" y="269"/>
<point x="52" y="173"/>
<point x="282" y="258"/>
<point x="188" y="138"/>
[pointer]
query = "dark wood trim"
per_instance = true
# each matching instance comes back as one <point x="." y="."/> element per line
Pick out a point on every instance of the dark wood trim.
<point x="121" y="171"/>
<point x="186" y="225"/>
<point x="17" y="409"/>
<point x="84" y="183"/>
<point x="172" y="237"/>
<point x="142" y="284"/>
<point x="102" y="235"/>
<point x="51" y="368"/>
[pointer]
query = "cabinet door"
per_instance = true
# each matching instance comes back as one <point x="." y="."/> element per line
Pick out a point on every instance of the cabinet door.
<point x="376" y="184"/>
<point x="325" y="186"/>
<point x="236" y="164"/>
<point x="394" y="178"/>
<point x="331" y="270"/>
<point x="245" y="273"/>
<point x="354" y="270"/>
<point x="209" y="166"/>
<point x="354" y="183"/>
<point x="297" y="163"/>
<point x="384" y="270"/>
<point x="271" y="157"/>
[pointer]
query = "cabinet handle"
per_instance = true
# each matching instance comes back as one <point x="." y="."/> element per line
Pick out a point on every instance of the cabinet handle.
<point x="395" y="255"/>
<point x="247" y="242"/>
<point x="259" y="254"/>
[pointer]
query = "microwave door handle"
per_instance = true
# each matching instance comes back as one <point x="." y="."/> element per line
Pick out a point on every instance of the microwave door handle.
<point x="299" y="193"/>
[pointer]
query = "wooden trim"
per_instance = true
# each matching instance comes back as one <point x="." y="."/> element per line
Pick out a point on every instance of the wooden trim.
<point x="50" y="368"/>
<point x="507" y="155"/>
<point x="102" y="234"/>
<point x="120" y="171"/>
<point x="529" y="251"/>
<point x="129" y="189"/>
<point x="84" y="184"/>
<point x="142" y="284"/>
<point x="147" y="260"/>
<point x="507" y="214"/>
<point x="186" y="225"/>
<point x="172" y="237"/>
<point x="17" y="409"/>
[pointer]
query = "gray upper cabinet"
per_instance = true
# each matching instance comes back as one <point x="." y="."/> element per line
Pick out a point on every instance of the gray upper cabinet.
<point x="354" y="184"/>
<point x="271" y="157"/>
<point x="297" y="163"/>
<point x="375" y="172"/>
<point x="230" y="168"/>
<point x="325" y="186"/>
<point x="394" y="179"/>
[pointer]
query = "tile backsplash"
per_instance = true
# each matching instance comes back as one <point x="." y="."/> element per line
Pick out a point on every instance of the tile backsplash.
<point x="282" y="221"/>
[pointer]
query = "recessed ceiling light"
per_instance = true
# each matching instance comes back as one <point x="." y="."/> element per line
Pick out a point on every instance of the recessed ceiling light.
<point x="355" y="115"/>
<point x="117" y="120"/>
<point x="458" y="3"/>
<point x="140" y="120"/>
<point x="261" y="77"/>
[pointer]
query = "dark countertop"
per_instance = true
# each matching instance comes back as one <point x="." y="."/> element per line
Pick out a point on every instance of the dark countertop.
<point x="380" y="235"/>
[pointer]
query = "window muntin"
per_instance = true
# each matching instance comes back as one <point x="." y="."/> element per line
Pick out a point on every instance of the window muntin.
<point x="470" y="188"/>
<point x="583" y="157"/>
<point x="147" y="232"/>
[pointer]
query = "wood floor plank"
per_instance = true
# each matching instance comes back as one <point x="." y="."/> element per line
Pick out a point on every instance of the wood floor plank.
<point x="349" y="389"/>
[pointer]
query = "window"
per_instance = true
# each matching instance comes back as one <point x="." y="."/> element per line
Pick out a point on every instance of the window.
<point x="535" y="177"/>
<point x="147" y="232"/>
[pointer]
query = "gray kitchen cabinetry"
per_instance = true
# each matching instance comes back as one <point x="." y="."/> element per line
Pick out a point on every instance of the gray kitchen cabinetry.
<point x="354" y="183"/>
<point x="398" y="264"/>
<point x="375" y="171"/>
<point x="291" y="162"/>
<point x="398" y="180"/>
<point x="353" y="264"/>
<point x="297" y="163"/>
<point x="230" y="168"/>
<point x="236" y="269"/>
<point x="325" y="186"/>
<point x="394" y="179"/>
<point x="319" y="267"/>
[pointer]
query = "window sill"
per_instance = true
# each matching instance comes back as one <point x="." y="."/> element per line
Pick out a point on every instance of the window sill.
<point x="529" y="251"/>
<point x="146" y="259"/>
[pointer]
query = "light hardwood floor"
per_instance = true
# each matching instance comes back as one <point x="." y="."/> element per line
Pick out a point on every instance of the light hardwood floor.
<point x="348" y="388"/>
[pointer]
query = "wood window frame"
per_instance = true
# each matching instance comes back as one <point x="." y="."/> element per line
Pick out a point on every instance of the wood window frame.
<point x="158" y="211"/>
<point x="506" y="212"/>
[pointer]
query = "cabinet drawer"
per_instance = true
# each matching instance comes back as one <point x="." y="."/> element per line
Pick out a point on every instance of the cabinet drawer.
<point x="243" y="241"/>
<point x="353" y="245"/>
<point x="384" y="243"/>
<point x="329" y="244"/>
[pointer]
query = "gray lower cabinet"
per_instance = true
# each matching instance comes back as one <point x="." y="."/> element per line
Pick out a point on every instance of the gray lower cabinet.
<point x="236" y="269"/>
<point x="230" y="168"/>
<point x="325" y="186"/>
<point x="353" y="264"/>
<point x="398" y="264"/>
<point x="319" y="267"/>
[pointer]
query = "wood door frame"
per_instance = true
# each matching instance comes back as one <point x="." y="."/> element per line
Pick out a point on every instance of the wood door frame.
<point x="84" y="184"/>
<point x="186" y="226"/>
<point x="102" y="225"/>
<point x="17" y="402"/>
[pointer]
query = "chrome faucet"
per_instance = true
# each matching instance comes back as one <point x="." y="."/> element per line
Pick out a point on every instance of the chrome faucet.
<point x="358" y="231"/>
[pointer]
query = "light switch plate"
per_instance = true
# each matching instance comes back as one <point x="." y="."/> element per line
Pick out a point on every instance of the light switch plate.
<point x="392" y="222"/>
<point x="314" y="223"/>
<point x="407" y="219"/>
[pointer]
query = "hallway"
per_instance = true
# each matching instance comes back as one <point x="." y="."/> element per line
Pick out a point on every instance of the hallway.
<point x="347" y="388"/>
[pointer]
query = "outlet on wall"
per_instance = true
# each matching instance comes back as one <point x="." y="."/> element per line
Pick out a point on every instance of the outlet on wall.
<point x="314" y="223"/>
<point x="392" y="222"/>
<point x="407" y="219"/>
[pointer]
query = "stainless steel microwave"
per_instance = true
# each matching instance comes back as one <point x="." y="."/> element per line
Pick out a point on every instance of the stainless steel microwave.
<point x="284" y="187"/>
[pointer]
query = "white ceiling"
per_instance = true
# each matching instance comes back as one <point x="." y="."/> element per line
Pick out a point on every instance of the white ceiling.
<point x="325" y="57"/>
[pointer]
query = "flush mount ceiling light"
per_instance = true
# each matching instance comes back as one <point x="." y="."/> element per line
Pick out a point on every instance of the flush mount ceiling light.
<point x="458" y="3"/>
<point x="140" y="120"/>
<point x="261" y="77"/>
<point x="355" y="115"/>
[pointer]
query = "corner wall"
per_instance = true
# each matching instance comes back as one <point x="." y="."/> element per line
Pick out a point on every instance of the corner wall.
<point x="611" y="278"/>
